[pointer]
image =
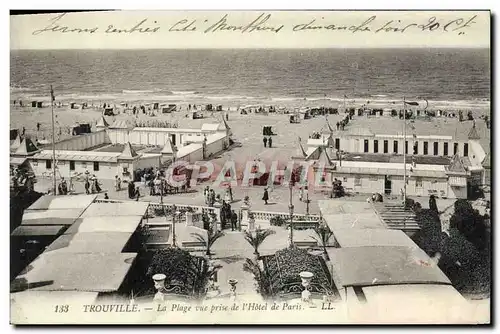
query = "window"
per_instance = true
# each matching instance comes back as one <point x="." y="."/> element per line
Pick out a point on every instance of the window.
<point x="48" y="164"/>
<point x="373" y="178"/>
<point x="415" y="148"/>
<point x="96" y="166"/>
<point x="426" y="148"/>
<point x="395" y="146"/>
<point x="406" y="146"/>
<point x="445" y="149"/>
<point x="71" y="165"/>
<point x="357" y="181"/>
<point x="366" y="146"/>
<point x="466" y="150"/>
<point x="386" y="146"/>
<point x="455" y="148"/>
<point x="375" y="146"/>
<point x="436" y="148"/>
<point x="418" y="182"/>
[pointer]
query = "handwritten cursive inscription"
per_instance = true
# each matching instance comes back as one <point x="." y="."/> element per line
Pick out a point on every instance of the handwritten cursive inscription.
<point x="55" y="26"/>
<point x="139" y="27"/>
<point x="256" y="25"/>
<point x="263" y="22"/>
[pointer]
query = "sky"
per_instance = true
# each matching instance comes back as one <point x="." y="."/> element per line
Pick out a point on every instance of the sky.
<point x="279" y="29"/>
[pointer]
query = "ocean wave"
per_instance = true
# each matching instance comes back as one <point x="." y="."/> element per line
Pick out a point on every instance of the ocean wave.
<point x="181" y="92"/>
<point x="146" y="91"/>
<point x="16" y="89"/>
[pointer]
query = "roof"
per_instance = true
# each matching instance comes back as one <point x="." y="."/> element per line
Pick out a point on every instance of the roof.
<point x="301" y="151"/>
<point x="316" y="142"/>
<point x="357" y="237"/>
<point x="213" y="127"/>
<point x="51" y="216"/>
<point x="417" y="297"/>
<point x="226" y="126"/>
<point x="324" y="158"/>
<point x="38" y="230"/>
<point x="384" y="265"/>
<point x="339" y="206"/>
<point x="391" y="171"/>
<point x="487" y="161"/>
<point x="26" y="147"/>
<point x="62" y="271"/>
<point x="396" y="158"/>
<point x="17" y="160"/>
<point x="121" y="124"/>
<point x="129" y="208"/>
<point x="124" y="224"/>
<point x="353" y="220"/>
<point x="168" y="130"/>
<point x="78" y="156"/>
<point x="185" y="150"/>
<point x="456" y="165"/>
<point x="90" y="242"/>
<point x="63" y="202"/>
<point x="363" y="132"/>
<point x="102" y="123"/>
<point x="16" y="143"/>
<point x="169" y="148"/>
<point x="441" y="126"/>
<point x="128" y="152"/>
<point x="473" y="135"/>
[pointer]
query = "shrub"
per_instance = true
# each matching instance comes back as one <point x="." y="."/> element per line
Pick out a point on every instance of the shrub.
<point x="277" y="221"/>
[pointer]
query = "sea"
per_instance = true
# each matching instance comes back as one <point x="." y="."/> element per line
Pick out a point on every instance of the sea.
<point x="445" y="76"/>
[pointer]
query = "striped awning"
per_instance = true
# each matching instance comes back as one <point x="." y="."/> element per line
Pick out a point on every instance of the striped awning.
<point x="456" y="181"/>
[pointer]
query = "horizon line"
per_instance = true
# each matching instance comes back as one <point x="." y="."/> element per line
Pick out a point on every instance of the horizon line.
<point x="261" y="48"/>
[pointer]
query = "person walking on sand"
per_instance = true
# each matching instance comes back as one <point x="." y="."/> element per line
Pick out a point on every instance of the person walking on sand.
<point x="265" y="198"/>
<point x="87" y="186"/>
<point x="265" y="141"/>
<point x="106" y="196"/>
<point x="270" y="141"/>
<point x="234" y="220"/>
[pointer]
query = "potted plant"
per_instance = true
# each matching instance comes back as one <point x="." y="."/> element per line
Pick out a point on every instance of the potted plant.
<point x="208" y="240"/>
<point x="323" y="235"/>
<point x="257" y="238"/>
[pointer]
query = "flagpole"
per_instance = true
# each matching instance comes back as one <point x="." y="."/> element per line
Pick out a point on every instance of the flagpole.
<point x="404" y="150"/>
<point x="53" y="143"/>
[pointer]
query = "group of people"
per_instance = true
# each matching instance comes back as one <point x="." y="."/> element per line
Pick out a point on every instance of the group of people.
<point x="341" y="125"/>
<point x="227" y="215"/>
<point x="211" y="197"/>
<point x="268" y="142"/>
<point x="91" y="184"/>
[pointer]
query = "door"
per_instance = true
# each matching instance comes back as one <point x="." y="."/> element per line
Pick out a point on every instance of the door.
<point x="172" y="138"/>
<point x="387" y="185"/>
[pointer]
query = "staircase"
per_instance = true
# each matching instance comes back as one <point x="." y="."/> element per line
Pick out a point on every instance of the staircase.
<point x="396" y="217"/>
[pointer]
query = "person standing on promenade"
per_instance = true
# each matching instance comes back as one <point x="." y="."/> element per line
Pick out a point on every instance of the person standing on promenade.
<point x="270" y="141"/>
<point x="265" y="198"/>
<point x="234" y="220"/>
<point x="265" y="141"/>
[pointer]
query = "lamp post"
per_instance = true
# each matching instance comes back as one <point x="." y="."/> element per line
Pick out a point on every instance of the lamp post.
<point x="307" y="201"/>
<point x="290" y="207"/>
<point x="174" y="208"/>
